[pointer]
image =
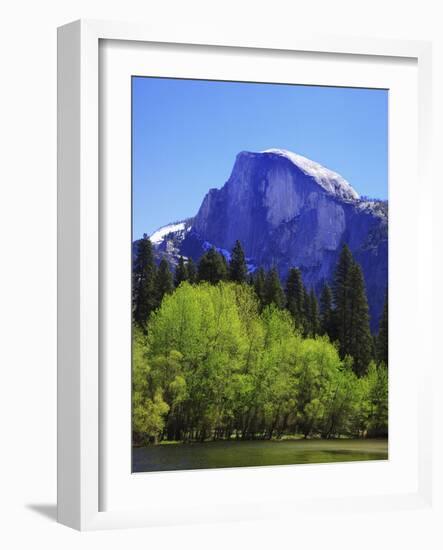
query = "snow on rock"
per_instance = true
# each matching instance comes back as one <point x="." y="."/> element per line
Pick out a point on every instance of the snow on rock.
<point x="158" y="236"/>
<point x="330" y="181"/>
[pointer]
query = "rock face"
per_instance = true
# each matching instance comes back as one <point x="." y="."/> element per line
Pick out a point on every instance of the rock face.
<point x="289" y="211"/>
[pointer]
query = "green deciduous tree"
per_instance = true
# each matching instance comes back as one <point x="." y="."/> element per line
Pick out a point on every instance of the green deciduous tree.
<point x="148" y="407"/>
<point x="342" y="402"/>
<point x="317" y="370"/>
<point x="202" y="323"/>
<point x="376" y="395"/>
<point x="214" y="364"/>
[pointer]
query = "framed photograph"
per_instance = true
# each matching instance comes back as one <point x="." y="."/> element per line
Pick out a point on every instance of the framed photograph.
<point x="235" y="289"/>
<point x="260" y="314"/>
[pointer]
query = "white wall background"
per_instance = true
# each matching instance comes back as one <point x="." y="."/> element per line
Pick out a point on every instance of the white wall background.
<point x="28" y="253"/>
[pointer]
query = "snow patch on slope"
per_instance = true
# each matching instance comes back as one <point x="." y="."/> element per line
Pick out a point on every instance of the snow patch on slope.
<point x="330" y="181"/>
<point x="158" y="236"/>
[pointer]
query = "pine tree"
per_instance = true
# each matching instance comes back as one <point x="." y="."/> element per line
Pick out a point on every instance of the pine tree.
<point x="225" y="266"/>
<point x="212" y="267"/>
<point x="191" y="271"/>
<point x="295" y="296"/>
<point x="143" y="282"/>
<point x="341" y="291"/>
<point x="352" y="313"/>
<point x="307" y="327"/>
<point x="181" y="272"/>
<point x="163" y="281"/>
<point x="238" y="271"/>
<point x="382" y="338"/>
<point x="326" y="312"/>
<point x="314" y="319"/>
<point x="359" y="343"/>
<point x="273" y="292"/>
<point x="374" y="348"/>
<point x="259" y="285"/>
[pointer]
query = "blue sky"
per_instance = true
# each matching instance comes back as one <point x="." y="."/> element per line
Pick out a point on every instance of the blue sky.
<point x="187" y="133"/>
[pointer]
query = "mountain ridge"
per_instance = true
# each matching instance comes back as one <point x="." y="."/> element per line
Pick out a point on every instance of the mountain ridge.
<point x="288" y="211"/>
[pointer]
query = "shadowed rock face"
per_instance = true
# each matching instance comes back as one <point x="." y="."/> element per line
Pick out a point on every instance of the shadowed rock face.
<point x="289" y="211"/>
<point x="280" y="214"/>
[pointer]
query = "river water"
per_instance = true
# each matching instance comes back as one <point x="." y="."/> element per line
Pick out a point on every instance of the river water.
<point x="232" y="454"/>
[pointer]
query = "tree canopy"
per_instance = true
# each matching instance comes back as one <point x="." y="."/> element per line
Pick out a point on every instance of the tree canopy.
<point x="213" y="366"/>
<point x="218" y="353"/>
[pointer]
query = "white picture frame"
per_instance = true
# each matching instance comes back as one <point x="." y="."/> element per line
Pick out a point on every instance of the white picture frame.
<point x="81" y="413"/>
